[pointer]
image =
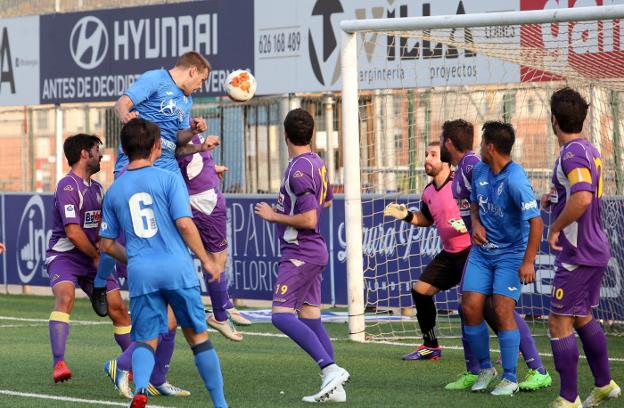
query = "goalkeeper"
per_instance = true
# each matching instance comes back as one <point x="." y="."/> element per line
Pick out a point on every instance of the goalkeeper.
<point x="445" y="270"/>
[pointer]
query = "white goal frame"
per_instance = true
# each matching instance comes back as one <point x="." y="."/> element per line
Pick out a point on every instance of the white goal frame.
<point x="350" y="130"/>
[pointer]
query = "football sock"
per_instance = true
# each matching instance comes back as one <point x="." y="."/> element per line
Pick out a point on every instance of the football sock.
<point x="509" y="341"/>
<point x="595" y="346"/>
<point x="472" y="364"/>
<point x="426" y="315"/>
<point x="479" y="340"/>
<point x="209" y="368"/>
<point x="163" y="355"/>
<point x="122" y="336"/>
<point x="301" y="334"/>
<point x="58" y="326"/>
<point x="566" y="356"/>
<point x="316" y="325"/>
<point x="142" y="365"/>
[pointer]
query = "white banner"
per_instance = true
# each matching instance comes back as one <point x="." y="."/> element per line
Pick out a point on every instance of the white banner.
<point x="297" y="46"/>
<point x="19" y="61"/>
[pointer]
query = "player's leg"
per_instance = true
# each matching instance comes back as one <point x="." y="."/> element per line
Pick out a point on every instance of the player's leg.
<point x="149" y="313"/>
<point x="537" y="377"/>
<point x="219" y="298"/>
<point x="576" y="290"/>
<point x="423" y="295"/>
<point x="187" y="306"/>
<point x="478" y="280"/>
<point x="159" y="386"/>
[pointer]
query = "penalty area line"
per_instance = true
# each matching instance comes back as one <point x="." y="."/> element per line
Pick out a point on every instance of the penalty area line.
<point x="68" y="399"/>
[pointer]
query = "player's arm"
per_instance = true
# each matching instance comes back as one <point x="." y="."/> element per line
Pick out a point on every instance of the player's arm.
<point x="305" y="220"/>
<point x="210" y="143"/>
<point x="122" y="109"/>
<point x="479" y="236"/>
<point x="197" y="125"/>
<point x="190" y="235"/>
<point x="112" y="248"/>
<point x="527" y="269"/>
<point x="78" y="237"/>
<point x="420" y="218"/>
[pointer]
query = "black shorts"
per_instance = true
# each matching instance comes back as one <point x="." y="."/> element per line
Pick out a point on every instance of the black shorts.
<point x="446" y="269"/>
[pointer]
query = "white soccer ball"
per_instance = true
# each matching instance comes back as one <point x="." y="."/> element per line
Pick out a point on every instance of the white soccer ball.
<point x="240" y="85"/>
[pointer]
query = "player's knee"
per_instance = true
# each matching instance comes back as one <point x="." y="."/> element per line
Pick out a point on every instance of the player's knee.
<point x="64" y="302"/>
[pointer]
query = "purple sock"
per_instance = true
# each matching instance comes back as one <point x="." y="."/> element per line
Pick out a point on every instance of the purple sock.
<point x="59" y="331"/>
<point x="124" y="360"/>
<point x="163" y="355"/>
<point x="566" y="354"/>
<point x="301" y="334"/>
<point x="123" y="340"/>
<point x="472" y="364"/>
<point x="317" y="327"/>
<point x="218" y="297"/>
<point x="595" y="346"/>
<point x="527" y="345"/>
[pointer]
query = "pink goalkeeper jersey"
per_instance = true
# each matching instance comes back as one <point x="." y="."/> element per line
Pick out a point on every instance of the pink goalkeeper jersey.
<point x="439" y="206"/>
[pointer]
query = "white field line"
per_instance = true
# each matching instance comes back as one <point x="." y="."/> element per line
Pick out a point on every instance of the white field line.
<point x="68" y="399"/>
<point x="261" y="334"/>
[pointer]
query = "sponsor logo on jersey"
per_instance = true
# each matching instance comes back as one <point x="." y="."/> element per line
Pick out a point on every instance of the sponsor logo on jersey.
<point x="92" y="219"/>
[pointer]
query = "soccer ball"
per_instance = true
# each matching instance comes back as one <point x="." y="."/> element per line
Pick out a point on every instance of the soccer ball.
<point x="240" y="85"/>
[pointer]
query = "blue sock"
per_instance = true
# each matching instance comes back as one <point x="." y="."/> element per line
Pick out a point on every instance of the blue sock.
<point x="106" y="267"/>
<point x="510" y="345"/>
<point x="142" y="365"/>
<point x="209" y="368"/>
<point x="479" y="339"/>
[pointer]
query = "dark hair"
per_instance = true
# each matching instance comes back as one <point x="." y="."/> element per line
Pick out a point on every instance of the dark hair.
<point x="193" y="59"/>
<point x="460" y="132"/>
<point x="570" y="109"/>
<point x="500" y="134"/>
<point x="74" y="145"/>
<point x="434" y="143"/>
<point x="138" y="136"/>
<point x="299" y="126"/>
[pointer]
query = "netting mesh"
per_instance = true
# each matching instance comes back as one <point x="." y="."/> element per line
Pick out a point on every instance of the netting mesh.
<point x="482" y="73"/>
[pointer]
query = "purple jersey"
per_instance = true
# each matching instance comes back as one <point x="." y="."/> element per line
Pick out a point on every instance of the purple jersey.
<point x="579" y="168"/>
<point x="438" y="206"/>
<point x="75" y="202"/>
<point x="305" y="187"/>
<point x="462" y="187"/>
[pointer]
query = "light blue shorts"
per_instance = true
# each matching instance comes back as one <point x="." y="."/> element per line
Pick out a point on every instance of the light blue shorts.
<point x="149" y="312"/>
<point x="494" y="273"/>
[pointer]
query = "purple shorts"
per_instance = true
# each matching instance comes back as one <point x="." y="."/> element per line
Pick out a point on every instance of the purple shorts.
<point x="576" y="292"/>
<point x="297" y="285"/>
<point x="212" y="229"/>
<point x="77" y="271"/>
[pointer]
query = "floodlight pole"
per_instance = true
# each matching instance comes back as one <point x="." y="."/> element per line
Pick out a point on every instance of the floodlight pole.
<point x="353" y="196"/>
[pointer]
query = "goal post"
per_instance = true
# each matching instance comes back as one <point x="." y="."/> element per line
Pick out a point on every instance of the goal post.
<point x="585" y="51"/>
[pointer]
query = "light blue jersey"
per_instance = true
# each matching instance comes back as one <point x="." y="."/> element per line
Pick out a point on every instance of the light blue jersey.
<point x="158" y="99"/>
<point x="144" y="204"/>
<point x="506" y="203"/>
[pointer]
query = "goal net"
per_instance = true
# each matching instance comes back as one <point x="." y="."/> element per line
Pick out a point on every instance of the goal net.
<point x="414" y="74"/>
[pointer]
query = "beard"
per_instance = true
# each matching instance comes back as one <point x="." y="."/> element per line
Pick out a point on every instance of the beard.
<point x="432" y="171"/>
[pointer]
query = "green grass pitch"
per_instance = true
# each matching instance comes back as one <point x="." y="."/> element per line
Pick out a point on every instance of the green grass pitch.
<point x="256" y="371"/>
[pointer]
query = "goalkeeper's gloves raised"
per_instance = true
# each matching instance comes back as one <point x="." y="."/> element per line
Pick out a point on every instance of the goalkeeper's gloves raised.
<point x="398" y="211"/>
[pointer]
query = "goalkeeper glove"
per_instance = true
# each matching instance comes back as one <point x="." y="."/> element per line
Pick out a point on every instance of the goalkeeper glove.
<point x="398" y="211"/>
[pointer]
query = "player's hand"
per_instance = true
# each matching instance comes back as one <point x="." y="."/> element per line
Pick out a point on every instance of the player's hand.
<point x="479" y="236"/>
<point x="220" y="170"/>
<point x="527" y="273"/>
<point x="198" y="125"/>
<point x="553" y="240"/>
<point x="129" y="116"/>
<point x="2" y="247"/>
<point x="96" y="261"/>
<point x="210" y="143"/>
<point x="264" y="211"/>
<point x="398" y="211"/>
<point x="211" y="270"/>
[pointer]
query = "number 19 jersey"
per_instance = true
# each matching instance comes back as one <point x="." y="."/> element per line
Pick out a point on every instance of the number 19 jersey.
<point x="144" y="203"/>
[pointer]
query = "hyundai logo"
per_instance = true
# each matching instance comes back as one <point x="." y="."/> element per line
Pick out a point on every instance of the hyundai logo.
<point x="88" y="42"/>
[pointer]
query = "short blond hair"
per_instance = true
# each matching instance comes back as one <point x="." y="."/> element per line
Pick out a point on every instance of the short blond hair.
<point x="193" y="59"/>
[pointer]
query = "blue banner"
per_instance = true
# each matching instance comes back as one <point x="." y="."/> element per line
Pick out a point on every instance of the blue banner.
<point x="395" y="253"/>
<point x="96" y="55"/>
